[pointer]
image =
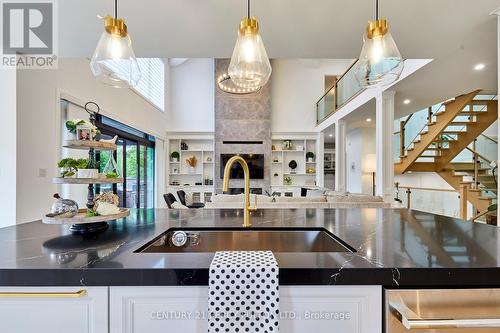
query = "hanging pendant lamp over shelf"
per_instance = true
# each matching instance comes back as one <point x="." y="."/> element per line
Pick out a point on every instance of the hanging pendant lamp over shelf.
<point x="380" y="62"/>
<point x="114" y="62"/>
<point x="250" y="67"/>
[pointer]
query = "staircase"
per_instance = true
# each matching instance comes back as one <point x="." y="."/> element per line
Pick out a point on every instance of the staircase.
<point x="450" y="130"/>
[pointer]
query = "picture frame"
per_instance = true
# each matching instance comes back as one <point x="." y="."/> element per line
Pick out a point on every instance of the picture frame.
<point x="84" y="133"/>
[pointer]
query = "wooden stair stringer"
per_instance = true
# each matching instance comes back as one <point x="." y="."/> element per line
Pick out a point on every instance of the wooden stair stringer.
<point x="472" y="196"/>
<point x="452" y="109"/>
<point x="473" y="131"/>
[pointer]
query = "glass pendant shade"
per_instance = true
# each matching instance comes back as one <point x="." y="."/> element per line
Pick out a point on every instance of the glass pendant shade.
<point x="380" y="62"/>
<point x="250" y="67"/>
<point x="114" y="62"/>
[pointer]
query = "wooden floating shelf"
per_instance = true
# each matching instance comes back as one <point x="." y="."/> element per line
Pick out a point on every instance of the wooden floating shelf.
<point x="60" y="180"/>
<point x="85" y="145"/>
<point x="81" y="218"/>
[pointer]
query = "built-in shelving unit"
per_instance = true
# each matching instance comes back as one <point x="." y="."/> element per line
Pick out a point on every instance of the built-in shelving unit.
<point x="305" y="174"/>
<point x="199" y="180"/>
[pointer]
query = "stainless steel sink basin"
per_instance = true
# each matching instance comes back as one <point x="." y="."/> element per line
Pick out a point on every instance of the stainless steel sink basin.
<point x="238" y="239"/>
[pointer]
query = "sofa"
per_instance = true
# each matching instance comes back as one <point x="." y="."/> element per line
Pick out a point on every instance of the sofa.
<point x="326" y="199"/>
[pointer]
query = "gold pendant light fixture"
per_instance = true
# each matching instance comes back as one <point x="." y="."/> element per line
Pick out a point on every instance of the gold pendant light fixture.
<point x="380" y="62"/>
<point x="114" y="62"/>
<point x="250" y="67"/>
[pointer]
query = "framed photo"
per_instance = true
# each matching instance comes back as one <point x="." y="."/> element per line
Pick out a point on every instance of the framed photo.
<point x="84" y="133"/>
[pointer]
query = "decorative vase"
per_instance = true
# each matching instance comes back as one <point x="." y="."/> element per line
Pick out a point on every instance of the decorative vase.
<point x="175" y="160"/>
<point x="309" y="160"/>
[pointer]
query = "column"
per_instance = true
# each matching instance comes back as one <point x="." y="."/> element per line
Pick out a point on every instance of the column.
<point x="384" y="177"/>
<point x="340" y="144"/>
<point x="8" y="149"/>
<point x="497" y="13"/>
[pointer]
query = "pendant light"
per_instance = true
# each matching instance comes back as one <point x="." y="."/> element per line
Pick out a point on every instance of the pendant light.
<point x="380" y="62"/>
<point x="114" y="62"/>
<point x="249" y="67"/>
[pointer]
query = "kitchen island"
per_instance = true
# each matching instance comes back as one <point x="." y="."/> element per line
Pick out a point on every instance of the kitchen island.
<point x="394" y="247"/>
<point x="391" y="249"/>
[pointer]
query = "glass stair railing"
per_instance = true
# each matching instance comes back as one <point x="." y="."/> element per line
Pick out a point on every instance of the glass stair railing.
<point x="412" y="127"/>
<point x="344" y="90"/>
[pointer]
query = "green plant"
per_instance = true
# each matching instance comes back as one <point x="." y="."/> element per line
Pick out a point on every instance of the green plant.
<point x="71" y="125"/>
<point x="287" y="180"/>
<point x="492" y="208"/>
<point x="112" y="175"/>
<point x="70" y="166"/>
<point x="174" y="155"/>
<point x="310" y="155"/>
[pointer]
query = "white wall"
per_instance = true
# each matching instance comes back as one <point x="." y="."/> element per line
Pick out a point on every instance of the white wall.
<point x="296" y="86"/>
<point x="38" y="125"/>
<point x="8" y="147"/>
<point x="359" y="143"/>
<point x="191" y="92"/>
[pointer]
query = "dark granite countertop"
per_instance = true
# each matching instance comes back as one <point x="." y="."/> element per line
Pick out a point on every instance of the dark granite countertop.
<point x="395" y="248"/>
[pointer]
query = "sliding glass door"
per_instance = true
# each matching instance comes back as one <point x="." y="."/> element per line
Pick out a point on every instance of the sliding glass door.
<point x="134" y="158"/>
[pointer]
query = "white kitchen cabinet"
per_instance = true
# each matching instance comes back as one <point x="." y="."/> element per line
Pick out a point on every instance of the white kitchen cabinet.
<point x="54" y="309"/>
<point x="158" y="309"/>
<point x="326" y="309"/>
<point x="318" y="309"/>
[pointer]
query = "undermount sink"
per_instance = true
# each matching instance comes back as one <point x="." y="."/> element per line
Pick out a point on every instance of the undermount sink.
<point x="237" y="239"/>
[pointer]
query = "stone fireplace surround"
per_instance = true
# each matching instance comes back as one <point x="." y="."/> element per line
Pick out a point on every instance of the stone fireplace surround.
<point x="244" y="121"/>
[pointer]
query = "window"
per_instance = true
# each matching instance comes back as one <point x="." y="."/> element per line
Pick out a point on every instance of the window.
<point x="135" y="159"/>
<point x="152" y="83"/>
<point x="151" y="86"/>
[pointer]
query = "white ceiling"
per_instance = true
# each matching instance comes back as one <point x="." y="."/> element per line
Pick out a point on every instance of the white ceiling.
<point x="290" y="28"/>
<point x="457" y="34"/>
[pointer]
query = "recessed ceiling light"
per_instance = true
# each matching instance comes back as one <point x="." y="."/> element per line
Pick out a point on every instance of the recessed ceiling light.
<point x="406" y="101"/>
<point x="330" y="135"/>
<point x="368" y="120"/>
<point x="479" y="67"/>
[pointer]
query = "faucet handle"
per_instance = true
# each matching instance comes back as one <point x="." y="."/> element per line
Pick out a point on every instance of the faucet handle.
<point x="253" y="207"/>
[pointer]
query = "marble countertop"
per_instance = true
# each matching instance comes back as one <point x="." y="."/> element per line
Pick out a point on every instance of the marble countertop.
<point x="395" y="247"/>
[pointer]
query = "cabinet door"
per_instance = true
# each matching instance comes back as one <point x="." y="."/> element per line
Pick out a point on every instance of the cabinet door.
<point x="158" y="309"/>
<point x="54" y="309"/>
<point x="318" y="309"/>
<point x="327" y="309"/>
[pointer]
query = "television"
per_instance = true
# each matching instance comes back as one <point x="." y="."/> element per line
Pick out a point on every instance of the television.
<point x="255" y="164"/>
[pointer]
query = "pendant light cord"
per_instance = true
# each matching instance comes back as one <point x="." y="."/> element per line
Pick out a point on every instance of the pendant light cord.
<point x="248" y="9"/>
<point x="116" y="9"/>
<point x="376" y="10"/>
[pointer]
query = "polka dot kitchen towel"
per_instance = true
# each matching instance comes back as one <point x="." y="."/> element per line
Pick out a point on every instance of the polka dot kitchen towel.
<point x="243" y="292"/>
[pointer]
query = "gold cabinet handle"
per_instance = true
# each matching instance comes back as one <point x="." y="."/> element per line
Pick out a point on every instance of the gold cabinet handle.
<point x="411" y="320"/>
<point x="76" y="294"/>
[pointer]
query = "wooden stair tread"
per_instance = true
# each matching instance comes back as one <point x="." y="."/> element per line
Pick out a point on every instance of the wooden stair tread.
<point x="461" y="123"/>
<point x="454" y="132"/>
<point x="485" y="198"/>
<point x="472" y="113"/>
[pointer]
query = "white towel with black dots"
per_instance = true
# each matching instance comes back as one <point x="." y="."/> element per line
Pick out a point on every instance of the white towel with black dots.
<point x="243" y="292"/>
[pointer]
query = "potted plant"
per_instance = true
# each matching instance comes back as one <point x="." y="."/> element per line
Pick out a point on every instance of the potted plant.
<point x="287" y="180"/>
<point x="175" y="156"/>
<point x="310" y="156"/>
<point x="69" y="167"/>
<point x="71" y="126"/>
<point x="87" y="168"/>
<point x="491" y="216"/>
<point x="192" y="162"/>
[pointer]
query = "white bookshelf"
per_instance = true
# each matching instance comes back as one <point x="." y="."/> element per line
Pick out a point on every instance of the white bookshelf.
<point x="180" y="176"/>
<point x="306" y="173"/>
